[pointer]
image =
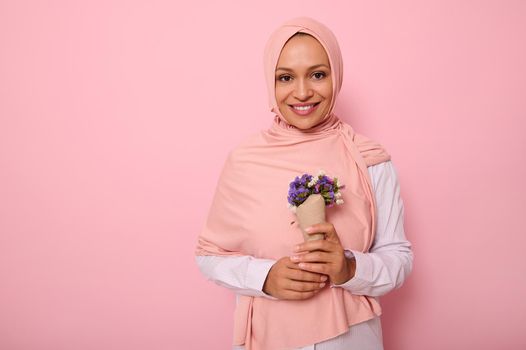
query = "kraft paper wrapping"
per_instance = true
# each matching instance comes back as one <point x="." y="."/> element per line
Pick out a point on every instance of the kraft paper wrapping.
<point x="311" y="212"/>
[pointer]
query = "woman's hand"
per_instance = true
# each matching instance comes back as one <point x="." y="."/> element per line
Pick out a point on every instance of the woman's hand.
<point x="325" y="256"/>
<point x="286" y="280"/>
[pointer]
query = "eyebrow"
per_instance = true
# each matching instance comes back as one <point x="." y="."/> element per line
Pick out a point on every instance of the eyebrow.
<point x="313" y="67"/>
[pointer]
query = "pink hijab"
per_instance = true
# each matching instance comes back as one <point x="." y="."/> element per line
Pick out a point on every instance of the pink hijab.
<point x="249" y="214"/>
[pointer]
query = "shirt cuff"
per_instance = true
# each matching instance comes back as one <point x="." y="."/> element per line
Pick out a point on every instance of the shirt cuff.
<point x="257" y="272"/>
<point x="363" y="269"/>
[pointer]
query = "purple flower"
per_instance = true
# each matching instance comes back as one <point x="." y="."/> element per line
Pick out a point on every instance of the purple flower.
<point x="299" y="189"/>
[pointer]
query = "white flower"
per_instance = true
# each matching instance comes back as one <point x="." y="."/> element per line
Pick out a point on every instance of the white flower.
<point x="338" y="194"/>
<point x="312" y="182"/>
<point x="336" y="182"/>
<point x="339" y="201"/>
<point x="292" y="208"/>
<point x="321" y="172"/>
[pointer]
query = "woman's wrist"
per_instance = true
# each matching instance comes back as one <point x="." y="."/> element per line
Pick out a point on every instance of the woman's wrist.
<point x="351" y="262"/>
<point x="349" y="270"/>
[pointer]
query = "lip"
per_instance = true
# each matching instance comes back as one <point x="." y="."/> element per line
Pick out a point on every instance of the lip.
<point x="306" y="112"/>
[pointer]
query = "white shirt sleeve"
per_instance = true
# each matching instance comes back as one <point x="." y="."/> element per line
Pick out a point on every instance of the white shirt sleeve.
<point x="243" y="274"/>
<point x="378" y="271"/>
<point x="390" y="259"/>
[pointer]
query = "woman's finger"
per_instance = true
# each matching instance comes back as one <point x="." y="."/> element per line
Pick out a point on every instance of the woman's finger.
<point x="338" y="272"/>
<point x="281" y="277"/>
<point x="324" y="227"/>
<point x="320" y="244"/>
<point x="298" y="286"/>
<point x="302" y="275"/>
<point x="315" y="256"/>
<point x="316" y="267"/>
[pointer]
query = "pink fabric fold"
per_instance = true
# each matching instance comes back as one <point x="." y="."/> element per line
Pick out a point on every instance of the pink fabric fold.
<point x="249" y="213"/>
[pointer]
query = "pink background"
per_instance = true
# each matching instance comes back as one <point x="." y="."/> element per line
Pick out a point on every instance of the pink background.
<point x="110" y="111"/>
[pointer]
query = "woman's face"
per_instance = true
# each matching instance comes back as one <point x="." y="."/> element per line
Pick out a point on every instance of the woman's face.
<point x="303" y="82"/>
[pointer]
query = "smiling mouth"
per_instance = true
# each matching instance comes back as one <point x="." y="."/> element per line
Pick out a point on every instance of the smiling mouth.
<point x="304" y="107"/>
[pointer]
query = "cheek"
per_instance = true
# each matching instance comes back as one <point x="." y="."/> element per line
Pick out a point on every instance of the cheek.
<point x="327" y="90"/>
<point x="280" y="94"/>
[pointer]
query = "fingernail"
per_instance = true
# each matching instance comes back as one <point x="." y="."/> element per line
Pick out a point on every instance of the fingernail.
<point x="296" y="248"/>
<point x="322" y="285"/>
<point x="308" y="229"/>
<point x="324" y="278"/>
<point x="295" y="257"/>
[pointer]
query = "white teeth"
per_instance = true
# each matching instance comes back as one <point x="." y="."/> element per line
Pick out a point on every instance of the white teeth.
<point x="303" y="108"/>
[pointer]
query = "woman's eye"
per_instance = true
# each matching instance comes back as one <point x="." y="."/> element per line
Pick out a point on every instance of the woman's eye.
<point x="318" y="75"/>
<point x="284" y="78"/>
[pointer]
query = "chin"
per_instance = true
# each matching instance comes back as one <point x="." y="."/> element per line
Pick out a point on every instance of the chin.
<point x="304" y="124"/>
<point x="307" y="126"/>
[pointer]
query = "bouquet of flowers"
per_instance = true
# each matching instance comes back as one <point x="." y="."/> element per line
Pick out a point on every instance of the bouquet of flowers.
<point x="308" y="197"/>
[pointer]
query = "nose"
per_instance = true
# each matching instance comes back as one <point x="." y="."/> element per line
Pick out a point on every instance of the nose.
<point x="303" y="90"/>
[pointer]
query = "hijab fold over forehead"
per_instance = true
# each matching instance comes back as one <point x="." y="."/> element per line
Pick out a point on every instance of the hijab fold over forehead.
<point x="249" y="215"/>
<point x="279" y="38"/>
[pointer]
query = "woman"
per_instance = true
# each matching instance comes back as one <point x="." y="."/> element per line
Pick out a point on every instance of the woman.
<point x="293" y="294"/>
